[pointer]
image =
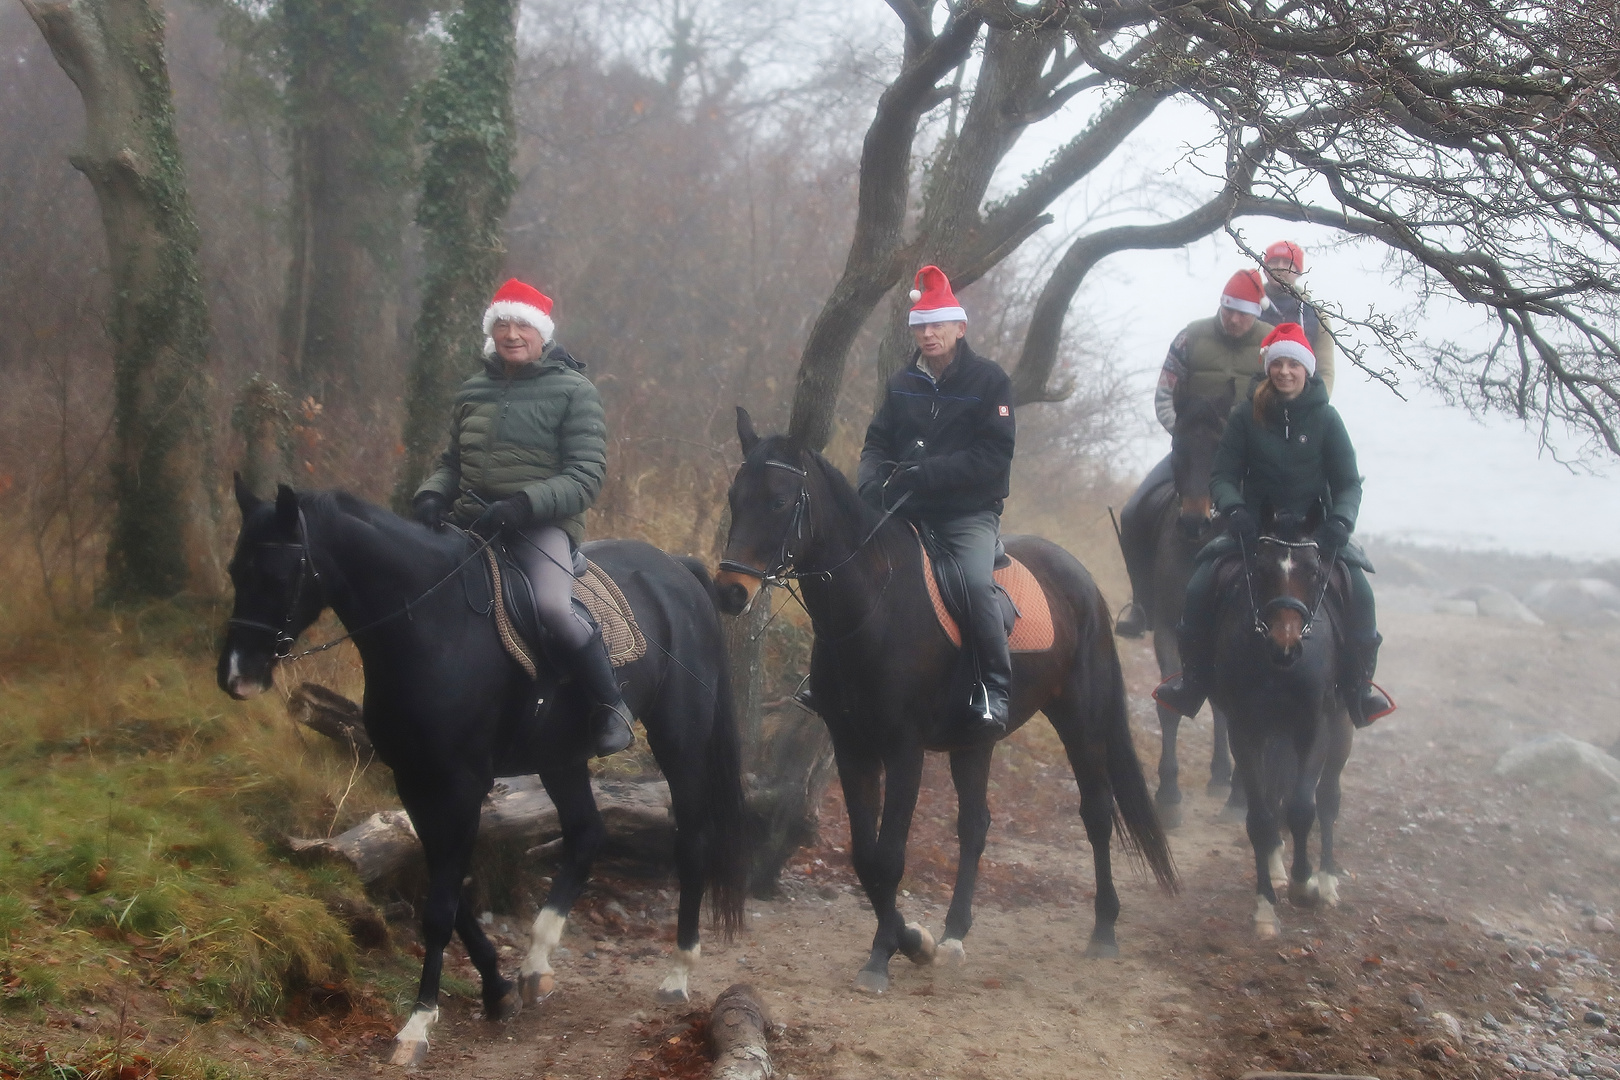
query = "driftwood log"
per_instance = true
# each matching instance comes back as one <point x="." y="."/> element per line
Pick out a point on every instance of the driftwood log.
<point x="384" y="845"/>
<point x="738" y="1025"/>
<point x="329" y="713"/>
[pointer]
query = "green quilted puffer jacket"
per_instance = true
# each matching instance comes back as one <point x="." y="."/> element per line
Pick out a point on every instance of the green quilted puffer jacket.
<point x="540" y="432"/>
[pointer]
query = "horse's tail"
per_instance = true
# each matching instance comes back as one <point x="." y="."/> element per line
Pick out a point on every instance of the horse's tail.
<point x="701" y="572"/>
<point x="1135" y="818"/>
<point x="726" y="859"/>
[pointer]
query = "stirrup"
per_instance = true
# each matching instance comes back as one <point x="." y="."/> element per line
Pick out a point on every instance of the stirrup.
<point x="804" y="699"/>
<point x="1372" y="695"/>
<point x="1181" y="694"/>
<point x="610" y="729"/>
<point x="1132" y="620"/>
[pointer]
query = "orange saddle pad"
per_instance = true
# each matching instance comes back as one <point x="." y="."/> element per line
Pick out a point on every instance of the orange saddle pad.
<point x="1032" y="632"/>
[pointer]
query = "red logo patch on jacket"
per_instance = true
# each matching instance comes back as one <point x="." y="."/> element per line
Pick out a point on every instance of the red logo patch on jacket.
<point x="1004" y="410"/>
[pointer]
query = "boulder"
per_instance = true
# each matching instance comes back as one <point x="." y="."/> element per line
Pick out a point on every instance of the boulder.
<point x="1574" y="599"/>
<point x="1497" y="603"/>
<point x="1456" y="607"/>
<point x="1562" y="762"/>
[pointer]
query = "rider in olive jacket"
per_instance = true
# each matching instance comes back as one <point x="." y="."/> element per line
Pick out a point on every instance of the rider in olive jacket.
<point x="1289" y="454"/>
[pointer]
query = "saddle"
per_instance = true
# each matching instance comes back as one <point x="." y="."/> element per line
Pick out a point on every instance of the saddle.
<point x="596" y="596"/>
<point x="1024" y="610"/>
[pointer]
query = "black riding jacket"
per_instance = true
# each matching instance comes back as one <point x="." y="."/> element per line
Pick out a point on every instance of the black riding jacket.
<point x="960" y="429"/>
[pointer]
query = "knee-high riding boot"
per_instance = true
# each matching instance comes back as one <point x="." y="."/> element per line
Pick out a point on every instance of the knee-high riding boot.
<point x="1185" y="692"/>
<point x="610" y="717"/>
<point x="1364" y="700"/>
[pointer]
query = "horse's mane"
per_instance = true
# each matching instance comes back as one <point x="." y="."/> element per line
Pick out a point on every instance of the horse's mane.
<point x="399" y="531"/>
<point x="1199" y="412"/>
<point x="790" y="451"/>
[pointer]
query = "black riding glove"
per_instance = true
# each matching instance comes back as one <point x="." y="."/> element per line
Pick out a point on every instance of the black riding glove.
<point x="1242" y="523"/>
<point x="428" y="507"/>
<point x="1333" y="534"/>
<point x="514" y="511"/>
<point x="904" y="480"/>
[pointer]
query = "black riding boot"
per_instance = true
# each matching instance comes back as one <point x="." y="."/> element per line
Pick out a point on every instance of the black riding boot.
<point x="1132" y="621"/>
<point x="1185" y="691"/>
<point x="1364" y="700"/>
<point x="610" y="717"/>
<point x="985" y="718"/>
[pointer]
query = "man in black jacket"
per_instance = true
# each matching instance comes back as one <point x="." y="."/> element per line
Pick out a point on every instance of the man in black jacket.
<point x="944" y="435"/>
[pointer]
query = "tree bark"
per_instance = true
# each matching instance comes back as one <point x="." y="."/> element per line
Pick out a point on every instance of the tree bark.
<point x="467" y="184"/>
<point x="738" y="1025"/>
<point x="162" y="533"/>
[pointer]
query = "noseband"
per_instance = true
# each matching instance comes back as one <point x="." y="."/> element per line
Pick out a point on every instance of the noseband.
<point x="1285" y="603"/>
<point x="283" y="635"/>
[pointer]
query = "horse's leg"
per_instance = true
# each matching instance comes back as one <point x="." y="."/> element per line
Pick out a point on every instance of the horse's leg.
<point x="689" y="860"/>
<point x="501" y="1001"/>
<point x="1220" y="758"/>
<point x="1167" y="800"/>
<point x="970" y="774"/>
<point x="1088" y="757"/>
<point x="444" y="812"/>
<point x="879" y="852"/>
<point x="1262" y="829"/>
<point x="569" y="785"/>
<point x="1327" y="810"/>
<point x="1301" y="811"/>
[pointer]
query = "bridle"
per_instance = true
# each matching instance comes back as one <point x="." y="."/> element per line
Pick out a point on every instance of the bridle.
<point x="1286" y="603"/>
<point x="283" y="635"/>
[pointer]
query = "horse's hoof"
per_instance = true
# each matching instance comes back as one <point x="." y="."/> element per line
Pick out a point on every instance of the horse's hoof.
<point x="1232" y="815"/>
<point x="1170" y="816"/>
<point x="1265" y="930"/>
<point x="410" y="1053"/>
<point x="924" y="951"/>
<point x="1218" y="788"/>
<point x="1265" y="918"/>
<point x="508" y="1005"/>
<point x="1304" y="893"/>
<point x="950" y="953"/>
<point x="1102" y="950"/>
<point x="871" y="982"/>
<point x="673" y="997"/>
<point x="536" y="986"/>
<point x="1327" y="889"/>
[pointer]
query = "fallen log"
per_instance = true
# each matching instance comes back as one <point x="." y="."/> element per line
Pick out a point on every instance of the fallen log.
<point x="518" y="810"/>
<point x="329" y="713"/>
<point x="738" y="1025"/>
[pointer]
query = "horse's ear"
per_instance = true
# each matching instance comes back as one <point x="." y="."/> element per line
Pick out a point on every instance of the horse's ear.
<point x="286" y="505"/>
<point x="745" y="431"/>
<point x="246" y="501"/>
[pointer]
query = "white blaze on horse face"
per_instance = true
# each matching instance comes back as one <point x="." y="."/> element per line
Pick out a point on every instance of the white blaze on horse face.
<point x="238" y="685"/>
<point x="543" y="937"/>
<point x="675" y="983"/>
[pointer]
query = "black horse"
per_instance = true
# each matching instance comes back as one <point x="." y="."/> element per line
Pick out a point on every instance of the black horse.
<point x="1275" y="678"/>
<point x="880" y="671"/>
<point x="1184" y="524"/>
<point x="449" y="711"/>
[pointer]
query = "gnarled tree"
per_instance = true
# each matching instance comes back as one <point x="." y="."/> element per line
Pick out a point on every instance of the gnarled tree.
<point x="1476" y="140"/>
<point x="162" y="525"/>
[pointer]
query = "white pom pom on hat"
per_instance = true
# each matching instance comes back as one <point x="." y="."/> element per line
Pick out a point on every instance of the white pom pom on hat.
<point x="932" y="299"/>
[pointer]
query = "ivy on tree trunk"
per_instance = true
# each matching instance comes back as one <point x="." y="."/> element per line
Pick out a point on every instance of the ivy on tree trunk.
<point x="162" y="526"/>
<point x="467" y="183"/>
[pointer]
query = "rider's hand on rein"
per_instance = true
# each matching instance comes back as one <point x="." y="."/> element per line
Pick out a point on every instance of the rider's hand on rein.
<point x="514" y="510"/>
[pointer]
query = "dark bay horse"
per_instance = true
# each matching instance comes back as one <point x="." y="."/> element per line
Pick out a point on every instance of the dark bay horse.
<point x="1185" y="524"/>
<point x="1275" y="676"/>
<point x="880" y="671"/>
<point x="449" y="711"/>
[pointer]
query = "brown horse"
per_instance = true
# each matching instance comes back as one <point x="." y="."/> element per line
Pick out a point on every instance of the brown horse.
<point x="880" y="673"/>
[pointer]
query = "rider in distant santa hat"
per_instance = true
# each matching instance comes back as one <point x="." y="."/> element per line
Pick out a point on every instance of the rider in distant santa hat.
<point x="1286" y="448"/>
<point x="527" y="456"/>
<point x="1286" y="302"/>
<point x="942" y="439"/>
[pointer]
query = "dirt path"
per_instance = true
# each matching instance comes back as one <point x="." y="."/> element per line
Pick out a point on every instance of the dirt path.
<point x="1465" y="895"/>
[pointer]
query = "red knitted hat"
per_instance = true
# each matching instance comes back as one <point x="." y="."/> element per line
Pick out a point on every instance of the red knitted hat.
<point x="933" y="299"/>
<point x="520" y="303"/>
<point x="1288" y="341"/>
<point x="1287" y="249"/>
<point x="1244" y="292"/>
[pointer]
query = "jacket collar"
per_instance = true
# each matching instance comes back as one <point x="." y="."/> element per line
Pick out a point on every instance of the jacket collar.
<point x="963" y="352"/>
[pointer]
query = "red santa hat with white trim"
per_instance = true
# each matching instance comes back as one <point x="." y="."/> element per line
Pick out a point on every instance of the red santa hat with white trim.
<point x="1288" y="341"/>
<point x="518" y="302"/>
<point x="1244" y="292"/>
<point x="933" y="300"/>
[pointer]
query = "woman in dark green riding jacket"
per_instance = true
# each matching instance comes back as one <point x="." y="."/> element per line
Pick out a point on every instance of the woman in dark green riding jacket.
<point x="527" y="456"/>
<point x="1286" y="448"/>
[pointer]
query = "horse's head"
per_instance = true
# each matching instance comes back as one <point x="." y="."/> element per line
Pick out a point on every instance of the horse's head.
<point x="769" y="511"/>
<point x="278" y="593"/>
<point x="1288" y="578"/>
<point x="1199" y="424"/>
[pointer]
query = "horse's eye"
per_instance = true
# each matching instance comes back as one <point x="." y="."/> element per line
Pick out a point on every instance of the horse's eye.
<point x="779" y="503"/>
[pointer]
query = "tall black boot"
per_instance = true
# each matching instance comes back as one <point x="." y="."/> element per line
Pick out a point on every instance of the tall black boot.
<point x="610" y="717"/>
<point x="1185" y="691"/>
<point x="985" y="718"/>
<point x="1364" y="700"/>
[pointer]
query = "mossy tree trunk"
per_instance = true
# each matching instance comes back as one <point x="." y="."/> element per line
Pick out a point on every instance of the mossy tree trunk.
<point x="467" y="183"/>
<point x="162" y="533"/>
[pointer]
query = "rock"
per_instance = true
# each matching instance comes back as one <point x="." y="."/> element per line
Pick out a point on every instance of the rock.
<point x="1414" y="998"/>
<point x="1562" y="762"/>
<point x="1598" y="924"/>
<point x="1595" y="1018"/>
<point x="1449" y="1026"/>
<point x="1574" y="600"/>
<point x="1456" y="607"/>
<point x="1501" y="604"/>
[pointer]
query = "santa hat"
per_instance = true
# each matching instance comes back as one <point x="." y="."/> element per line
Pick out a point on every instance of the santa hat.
<point x="933" y="300"/>
<point x="519" y="303"/>
<point x="1244" y="292"/>
<point x="1288" y="341"/>
<point x="1292" y="252"/>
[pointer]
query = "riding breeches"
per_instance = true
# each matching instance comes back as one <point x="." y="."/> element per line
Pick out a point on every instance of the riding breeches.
<point x="547" y="557"/>
<point x="1138" y="529"/>
<point x="971" y="538"/>
<point x="1198" y="613"/>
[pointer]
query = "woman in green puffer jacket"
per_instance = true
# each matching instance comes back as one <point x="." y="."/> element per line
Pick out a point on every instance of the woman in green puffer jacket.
<point x="1286" y="448"/>
<point x="527" y="456"/>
